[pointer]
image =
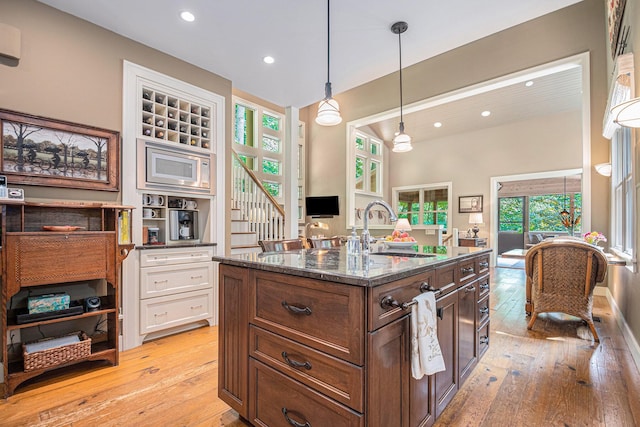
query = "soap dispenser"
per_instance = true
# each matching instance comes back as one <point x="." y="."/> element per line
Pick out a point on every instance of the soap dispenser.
<point x="353" y="243"/>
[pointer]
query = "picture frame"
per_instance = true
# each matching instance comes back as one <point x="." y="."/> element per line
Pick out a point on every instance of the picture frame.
<point x="615" y="12"/>
<point x="55" y="153"/>
<point x="469" y="204"/>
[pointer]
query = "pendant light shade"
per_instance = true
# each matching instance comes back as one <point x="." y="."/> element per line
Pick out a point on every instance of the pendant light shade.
<point x="627" y="114"/>
<point x="402" y="141"/>
<point x="328" y="109"/>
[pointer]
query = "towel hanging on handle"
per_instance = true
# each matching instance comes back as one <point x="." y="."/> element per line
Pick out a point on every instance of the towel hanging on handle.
<point x="426" y="356"/>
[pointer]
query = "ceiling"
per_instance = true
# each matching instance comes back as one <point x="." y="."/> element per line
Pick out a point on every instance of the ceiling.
<point x="230" y="38"/>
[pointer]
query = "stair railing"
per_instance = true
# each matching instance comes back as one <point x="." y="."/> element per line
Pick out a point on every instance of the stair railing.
<point x="266" y="217"/>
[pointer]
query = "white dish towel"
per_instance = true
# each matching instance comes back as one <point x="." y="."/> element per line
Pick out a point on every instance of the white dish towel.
<point x="426" y="356"/>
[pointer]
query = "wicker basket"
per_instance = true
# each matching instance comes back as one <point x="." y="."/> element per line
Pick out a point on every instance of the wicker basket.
<point x="57" y="355"/>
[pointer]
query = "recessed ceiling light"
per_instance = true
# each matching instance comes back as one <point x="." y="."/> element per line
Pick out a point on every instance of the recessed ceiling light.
<point x="486" y="113"/>
<point x="188" y="16"/>
<point x="437" y="124"/>
<point x="529" y="83"/>
<point x="268" y="59"/>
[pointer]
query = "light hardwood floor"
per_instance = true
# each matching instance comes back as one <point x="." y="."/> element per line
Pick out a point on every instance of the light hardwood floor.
<point x="546" y="377"/>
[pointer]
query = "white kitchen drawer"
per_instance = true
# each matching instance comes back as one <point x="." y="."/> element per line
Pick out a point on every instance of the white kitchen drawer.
<point x="171" y="256"/>
<point x="166" y="312"/>
<point x="171" y="279"/>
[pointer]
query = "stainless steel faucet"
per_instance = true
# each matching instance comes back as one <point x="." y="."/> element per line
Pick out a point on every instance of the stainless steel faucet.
<point x="366" y="238"/>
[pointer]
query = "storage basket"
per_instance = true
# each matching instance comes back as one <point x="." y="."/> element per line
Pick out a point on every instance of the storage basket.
<point x="57" y="355"/>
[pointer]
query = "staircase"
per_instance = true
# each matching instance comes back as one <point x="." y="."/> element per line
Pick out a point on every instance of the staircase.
<point x="255" y="215"/>
<point x="243" y="240"/>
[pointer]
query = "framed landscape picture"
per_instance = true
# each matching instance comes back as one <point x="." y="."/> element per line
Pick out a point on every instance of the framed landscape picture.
<point x="469" y="204"/>
<point x="40" y="151"/>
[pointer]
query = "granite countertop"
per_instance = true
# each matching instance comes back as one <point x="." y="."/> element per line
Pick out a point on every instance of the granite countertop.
<point x="333" y="264"/>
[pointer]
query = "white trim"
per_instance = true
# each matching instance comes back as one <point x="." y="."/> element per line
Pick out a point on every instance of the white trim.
<point x="634" y="347"/>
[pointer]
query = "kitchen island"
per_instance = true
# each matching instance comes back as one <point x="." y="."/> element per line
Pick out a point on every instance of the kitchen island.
<point x="320" y="338"/>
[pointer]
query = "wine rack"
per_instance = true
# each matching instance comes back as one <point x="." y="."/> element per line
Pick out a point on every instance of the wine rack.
<point x="171" y="118"/>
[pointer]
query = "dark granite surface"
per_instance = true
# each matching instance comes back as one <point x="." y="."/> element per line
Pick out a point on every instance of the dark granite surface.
<point x="335" y="265"/>
<point x="177" y="245"/>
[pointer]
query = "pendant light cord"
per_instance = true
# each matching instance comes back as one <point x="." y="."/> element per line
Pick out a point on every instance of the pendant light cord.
<point x="327" y="89"/>
<point x="400" y="61"/>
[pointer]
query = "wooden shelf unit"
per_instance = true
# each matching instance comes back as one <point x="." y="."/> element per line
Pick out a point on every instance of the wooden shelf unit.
<point x="36" y="261"/>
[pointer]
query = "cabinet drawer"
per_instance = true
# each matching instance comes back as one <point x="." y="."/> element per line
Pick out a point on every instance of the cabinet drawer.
<point x="331" y="376"/>
<point x="279" y="401"/>
<point x="401" y="291"/>
<point x="466" y="271"/>
<point x="483" y="310"/>
<point x="483" y="339"/>
<point x="167" y="280"/>
<point x="322" y="315"/>
<point x="445" y="277"/>
<point x="482" y="264"/>
<point x="153" y="257"/>
<point x="484" y="286"/>
<point x="166" y="312"/>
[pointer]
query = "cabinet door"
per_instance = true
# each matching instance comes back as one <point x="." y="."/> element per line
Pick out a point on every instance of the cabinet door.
<point x="394" y="396"/>
<point x="233" y="344"/>
<point x="467" y="346"/>
<point x="446" y="382"/>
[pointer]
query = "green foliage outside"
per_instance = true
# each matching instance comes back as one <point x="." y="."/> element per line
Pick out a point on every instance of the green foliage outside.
<point x="544" y="212"/>
<point x="270" y="122"/>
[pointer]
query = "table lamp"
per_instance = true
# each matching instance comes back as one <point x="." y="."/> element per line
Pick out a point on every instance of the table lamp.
<point x="403" y="225"/>
<point x="475" y="219"/>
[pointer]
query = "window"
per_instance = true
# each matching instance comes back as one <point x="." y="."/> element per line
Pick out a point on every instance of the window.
<point x="258" y="136"/>
<point x="424" y="205"/>
<point x="511" y="214"/>
<point x="622" y="183"/>
<point x="368" y="164"/>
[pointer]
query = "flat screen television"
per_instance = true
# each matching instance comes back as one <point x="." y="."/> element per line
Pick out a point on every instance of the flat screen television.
<point x="322" y="206"/>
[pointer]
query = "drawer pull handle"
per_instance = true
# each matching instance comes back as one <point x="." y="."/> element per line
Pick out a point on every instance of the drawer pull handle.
<point x="484" y="285"/>
<point x="294" y="423"/>
<point x="467" y="270"/>
<point x="469" y="289"/>
<point x="295" y="364"/>
<point x="484" y="339"/>
<point x="196" y="277"/>
<point x="296" y="310"/>
<point x="484" y="310"/>
<point x="193" y="307"/>
<point x="160" y="314"/>
<point x="160" y="281"/>
<point x="389" y="302"/>
<point x="484" y="264"/>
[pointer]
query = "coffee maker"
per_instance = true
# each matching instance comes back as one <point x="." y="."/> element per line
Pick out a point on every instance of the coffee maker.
<point x="183" y="224"/>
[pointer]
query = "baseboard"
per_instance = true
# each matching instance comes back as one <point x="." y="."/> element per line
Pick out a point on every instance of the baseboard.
<point x="634" y="348"/>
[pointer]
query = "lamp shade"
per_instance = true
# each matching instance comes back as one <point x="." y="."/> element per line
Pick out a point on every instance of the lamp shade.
<point x="627" y="114"/>
<point x="402" y="143"/>
<point x="603" y="169"/>
<point x="328" y="113"/>
<point x="403" y="225"/>
<point x="475" y="218"/>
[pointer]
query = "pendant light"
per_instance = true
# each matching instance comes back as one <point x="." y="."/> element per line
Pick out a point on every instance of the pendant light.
<point x="402" y="141"/>
<point x="328" y="109"/>
<point x="627" y="114"/>
<point x="564" y="214"/>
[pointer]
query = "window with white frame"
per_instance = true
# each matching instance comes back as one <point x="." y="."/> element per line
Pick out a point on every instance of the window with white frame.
<point x="424" y="205"/>
<point x="258" y="136"/>
<point x="368" y="164"/>
<point x="622" y="192"/>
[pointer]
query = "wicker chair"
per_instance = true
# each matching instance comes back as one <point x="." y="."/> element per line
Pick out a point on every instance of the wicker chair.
<point x="561" y="276"/>
<point x="280" y="245"/>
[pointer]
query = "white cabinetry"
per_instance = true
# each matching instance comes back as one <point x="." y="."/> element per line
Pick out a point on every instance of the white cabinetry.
<point x="176" y="288"/>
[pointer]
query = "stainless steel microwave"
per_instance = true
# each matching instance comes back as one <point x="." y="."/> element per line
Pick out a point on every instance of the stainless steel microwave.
<point x="166" y="167"/>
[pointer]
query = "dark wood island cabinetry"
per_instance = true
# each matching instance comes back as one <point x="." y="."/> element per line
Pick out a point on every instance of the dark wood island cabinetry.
<point x="318" y="337"/>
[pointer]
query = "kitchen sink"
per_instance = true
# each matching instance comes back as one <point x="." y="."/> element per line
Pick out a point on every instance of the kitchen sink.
<point x="407" y="254"/>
